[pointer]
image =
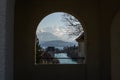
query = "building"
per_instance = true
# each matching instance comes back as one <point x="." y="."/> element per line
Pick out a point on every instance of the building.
<point x="81" y="43"/>
<point x="18" y="23"/>
<point x="50" y="50"/>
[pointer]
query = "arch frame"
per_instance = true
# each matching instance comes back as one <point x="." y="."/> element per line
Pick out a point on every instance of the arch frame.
<point x="82" y="21"/>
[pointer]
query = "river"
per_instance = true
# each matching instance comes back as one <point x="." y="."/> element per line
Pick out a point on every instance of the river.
<point x="64" y="59"/>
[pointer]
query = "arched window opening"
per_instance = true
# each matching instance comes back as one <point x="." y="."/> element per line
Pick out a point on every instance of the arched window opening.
<point x="60" y="40"/>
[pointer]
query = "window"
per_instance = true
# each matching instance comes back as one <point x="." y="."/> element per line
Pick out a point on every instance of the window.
<point x="59" y="40"/>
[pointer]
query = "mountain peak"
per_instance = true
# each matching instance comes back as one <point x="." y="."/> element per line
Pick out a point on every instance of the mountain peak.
<point x="46" y="36"/>
<point x="57" y="43"/>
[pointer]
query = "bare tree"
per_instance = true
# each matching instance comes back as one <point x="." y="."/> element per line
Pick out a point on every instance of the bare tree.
<point x="74" y="28"/>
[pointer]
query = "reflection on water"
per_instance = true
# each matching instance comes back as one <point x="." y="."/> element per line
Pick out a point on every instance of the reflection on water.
<point x="64" y="59"/>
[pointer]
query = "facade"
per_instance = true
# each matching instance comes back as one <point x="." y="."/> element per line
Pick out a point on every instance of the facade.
<point x="51" y="51"/>
<point x="81" y="43"/>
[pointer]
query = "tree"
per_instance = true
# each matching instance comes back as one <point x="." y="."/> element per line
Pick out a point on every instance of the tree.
<point x="38" y="51"/>
<point x="74" y="28"/>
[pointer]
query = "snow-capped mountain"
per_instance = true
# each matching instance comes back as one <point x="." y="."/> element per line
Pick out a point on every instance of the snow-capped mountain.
<point x="57" y="43"/>
<point x="46" y="36"/>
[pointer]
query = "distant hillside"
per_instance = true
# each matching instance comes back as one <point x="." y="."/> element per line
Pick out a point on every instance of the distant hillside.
<point x="57" y="43"/>
<point x="46" y="36"/>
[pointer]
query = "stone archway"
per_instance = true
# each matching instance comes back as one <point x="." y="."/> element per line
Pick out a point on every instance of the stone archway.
<point x="38" y="68"/>
<point x="30" y="14"/>
<point x="69" y="30"/>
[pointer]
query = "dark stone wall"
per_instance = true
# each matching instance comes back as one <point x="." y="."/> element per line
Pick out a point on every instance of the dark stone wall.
<point x="115" y="47"/>
<point x="96" y="16"/>
<point x="28" y="16"/>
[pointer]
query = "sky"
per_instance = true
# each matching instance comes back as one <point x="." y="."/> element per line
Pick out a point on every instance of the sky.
<point x="53" y="24"/>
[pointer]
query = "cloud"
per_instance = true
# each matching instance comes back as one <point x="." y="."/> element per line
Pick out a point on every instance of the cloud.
<point x="58" y="31"/>
<point x="39" y="30"/>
